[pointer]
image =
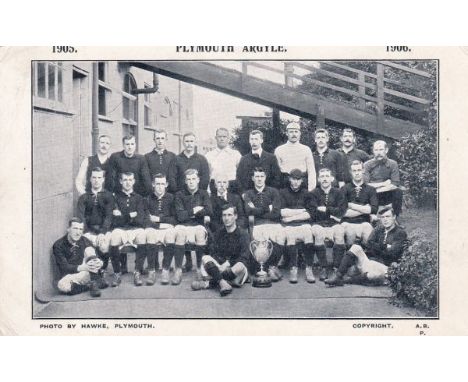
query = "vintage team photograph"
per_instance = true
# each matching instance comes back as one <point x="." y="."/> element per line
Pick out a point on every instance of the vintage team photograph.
<point x="235" y="189"/>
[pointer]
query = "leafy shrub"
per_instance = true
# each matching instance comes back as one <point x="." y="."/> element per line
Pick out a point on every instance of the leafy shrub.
<point x="414" y="280"/>
<point x="417" y="159"/>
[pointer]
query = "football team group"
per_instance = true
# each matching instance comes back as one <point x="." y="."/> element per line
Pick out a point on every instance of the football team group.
<point x="164" y="206"/>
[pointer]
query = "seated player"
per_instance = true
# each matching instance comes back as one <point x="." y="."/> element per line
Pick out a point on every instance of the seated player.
<point x="361" y="201"/>
<point x="297" y="208"/>
<point x="192" y="207"/>
<point x="160" y="232"/>
<point x="331" y="206"/>
<point x="382" y="173"/>
<point x="385" y="245"/>
<point x="128" y="228"/>
<point x="264" y="204"/>
<point x="229" y="257"/>
<point x="80" y="268"/>
<point x="220" y="198"/>
<point x="95" y="210"/>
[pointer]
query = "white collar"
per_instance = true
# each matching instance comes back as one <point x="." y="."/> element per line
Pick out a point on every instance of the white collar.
<point x="258" y="151"/>
<point x="261" y="190"/>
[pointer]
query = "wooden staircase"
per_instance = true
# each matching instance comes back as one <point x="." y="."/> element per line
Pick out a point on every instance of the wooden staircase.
<point x="369" y="100"/>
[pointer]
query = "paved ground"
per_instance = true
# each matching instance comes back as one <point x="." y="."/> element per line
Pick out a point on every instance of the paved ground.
<point x="283" y="300"/>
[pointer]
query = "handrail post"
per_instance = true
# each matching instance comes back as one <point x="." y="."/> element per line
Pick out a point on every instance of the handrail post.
<point x="362" y="91"/>
<point x="244" y="73"/>
<point x="380" y="97"/>
<point x="320" y="117"/>
<point x="288" y="69"/>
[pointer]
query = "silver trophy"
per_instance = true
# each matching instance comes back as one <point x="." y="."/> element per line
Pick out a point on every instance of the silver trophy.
<point x="261" y="251"/>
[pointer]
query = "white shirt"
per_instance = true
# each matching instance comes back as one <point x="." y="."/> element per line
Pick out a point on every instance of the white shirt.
<point x="223" y="162"/>
<point x="296" y="155"/>
<point x="80" y="181"/>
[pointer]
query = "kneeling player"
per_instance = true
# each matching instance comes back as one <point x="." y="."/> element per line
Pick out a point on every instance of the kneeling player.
<point x="331" y="207"/>
<point x="160" y="232"/>
<point x="297" y="207"/>
<point x="229" y="257"/>
<point x="128" y="228"/>
<point x="80" y="268"/>
<point x="95" y="210"/>
<point x="385" y="245"/>
<point x="192" y="207"/>
<point x="361" y="200"/>
<point x="264" y="204"/>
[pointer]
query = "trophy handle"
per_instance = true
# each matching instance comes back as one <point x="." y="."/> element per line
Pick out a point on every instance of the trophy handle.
<point x="270" y="245"/>
<point x="253" y="245"/>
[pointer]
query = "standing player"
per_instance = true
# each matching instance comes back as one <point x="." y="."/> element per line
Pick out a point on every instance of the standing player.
<point x="80" y="268"/>
<point x="95" y="210"/>
<point x="159" y="159"/>
<point x="350" y="153"/>
<point x="128" y="228"/>
<point x="188" y="159"/>
<point x="324" y="157"/>
<point x="264" y="204"/>
<point x="82" y="181"/>
<point x="160" y="232"/>
<point x="257" y="158"/>
<point x="192" y="207"/>
<point x="331" y="206"/>
<point x="229" y="257"/>
<point x="129" y="161"/>
<point x="361" y="201"/>
<point x="223" y="160"/>
<point x="295" y="155"/>
<point x="297" y="210"/>
<point x="382" y="173"/>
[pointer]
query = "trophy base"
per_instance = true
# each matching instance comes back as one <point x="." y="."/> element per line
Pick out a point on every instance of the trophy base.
<point x="261" y="282"/>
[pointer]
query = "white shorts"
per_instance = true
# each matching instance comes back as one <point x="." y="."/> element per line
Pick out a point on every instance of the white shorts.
<point x="65" y="283"/>
<point x="128" y="235"/>
<point x="327" y="232"/>
<point x="239" y="280"/>
<point x="190" y="233"/>
<point x="301" y="233"/>
<point x="159" y="235"/>
<point x="92" y="237"/>
<point x="357" y="228"/>
<point x="267" y="232"/>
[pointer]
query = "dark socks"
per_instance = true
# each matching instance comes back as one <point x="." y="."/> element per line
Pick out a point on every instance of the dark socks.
<point x="212" y="269"/>
<point x="321" y="253"/>
<point x="291" y="252"/>
<point x="152" y="255"/>
<point x="140" y="257"/>
<point x="200" y="251"/>
<point x="179" y="255"/>
<point x="338" y="252"/>
<point x="115" y="258"/>
<point x="347" y="261"/>
<point x="309" y="254"/>
<point x="168" y="255"/>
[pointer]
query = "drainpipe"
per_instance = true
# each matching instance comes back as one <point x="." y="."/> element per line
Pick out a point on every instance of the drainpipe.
<point x="179" y="121"/>
<point x="95" y="109"/>
<point x="152" y="90"/>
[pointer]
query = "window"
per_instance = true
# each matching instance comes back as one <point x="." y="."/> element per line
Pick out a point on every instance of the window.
<point x="102" y="71"/>
<point x="48" y="80"/>
<point x="103" y="89"/>
<point x="147" y="109"/>
<point x="129" y="106"/>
